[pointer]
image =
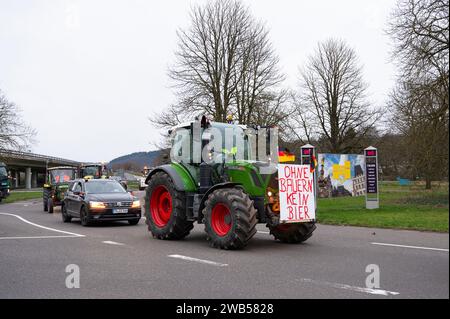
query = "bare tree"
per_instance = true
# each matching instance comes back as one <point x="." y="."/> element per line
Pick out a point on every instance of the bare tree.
<point x="332" y="105"/>
<point x="14" y="133"/>
<point x="420" y="101"/>
<point x="225" y="65"/>
<point x="420" y="30"/>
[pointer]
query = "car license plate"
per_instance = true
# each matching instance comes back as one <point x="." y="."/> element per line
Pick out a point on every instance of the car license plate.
<point x="120" y="211"/>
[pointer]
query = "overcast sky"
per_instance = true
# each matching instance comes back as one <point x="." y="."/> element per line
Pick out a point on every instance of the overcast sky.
<point x="88" y="73"/>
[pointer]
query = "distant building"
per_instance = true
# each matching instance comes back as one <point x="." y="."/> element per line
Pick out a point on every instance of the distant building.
<point x="359" y="182"/>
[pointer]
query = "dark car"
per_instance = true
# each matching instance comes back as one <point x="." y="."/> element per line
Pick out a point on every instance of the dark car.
<point x="94" y="200"/>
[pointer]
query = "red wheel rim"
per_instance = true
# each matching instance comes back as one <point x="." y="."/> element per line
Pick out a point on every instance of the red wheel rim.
<point x="221" y="219"/>
<point x="161" y="206"/>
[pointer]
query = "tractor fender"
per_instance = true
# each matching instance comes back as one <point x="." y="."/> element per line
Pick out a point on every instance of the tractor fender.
<point x="174" y="175"/>
<point x="209" y="191"/>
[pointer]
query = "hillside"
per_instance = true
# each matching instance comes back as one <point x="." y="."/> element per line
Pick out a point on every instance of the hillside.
<point x="137" y="160"/>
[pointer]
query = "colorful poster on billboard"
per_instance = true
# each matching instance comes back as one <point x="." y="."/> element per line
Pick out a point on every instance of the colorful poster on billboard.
<point x="341" y="175"/>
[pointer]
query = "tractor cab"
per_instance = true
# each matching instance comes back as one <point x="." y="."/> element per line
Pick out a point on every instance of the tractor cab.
<point x="56" y="184"/>
<point x="94" y="171"/>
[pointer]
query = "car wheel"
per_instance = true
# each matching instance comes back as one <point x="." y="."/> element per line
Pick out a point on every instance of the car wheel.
<point x="84" y="217"/>
<point x="65" y="216"/>
<point x="133" y="221"/>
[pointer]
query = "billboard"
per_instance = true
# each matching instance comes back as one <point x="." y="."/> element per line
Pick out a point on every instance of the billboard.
<point x="341" y="175"/>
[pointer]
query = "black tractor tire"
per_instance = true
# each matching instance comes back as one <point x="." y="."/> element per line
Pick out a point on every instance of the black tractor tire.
<point x="239" y="222"/>
<point x="45" y="196"/>
<point x="165" y="209"/>
<point x="50" y="205"/>
<point x="292" y="233"/>
<point x="66" y="218"/>
<point x="84" y="217"/>
<point x="133" y="221"/>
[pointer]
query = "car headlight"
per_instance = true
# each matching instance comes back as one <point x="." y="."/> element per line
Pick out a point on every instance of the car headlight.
<point x="97" y="205"/>
<point x="136" y="204"/>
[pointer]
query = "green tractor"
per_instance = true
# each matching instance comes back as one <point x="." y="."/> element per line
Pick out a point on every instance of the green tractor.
<point x="227" y="193"/>
<point x="56" y="184"/>
<point x="4" y="182"/>
<point x="94" y="170"/>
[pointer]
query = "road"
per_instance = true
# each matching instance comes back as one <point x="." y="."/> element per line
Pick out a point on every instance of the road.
<point x="117" y="260"/>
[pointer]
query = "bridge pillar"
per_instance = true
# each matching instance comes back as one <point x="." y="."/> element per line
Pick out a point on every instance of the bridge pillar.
<point x="34" y="179"/>
<point x="28" y="178"/>
<point x="17" y="176"/>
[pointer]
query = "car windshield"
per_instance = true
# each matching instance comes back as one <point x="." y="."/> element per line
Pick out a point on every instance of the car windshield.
<point x="3" y="172"/>
<point x="62" y="175"/>
<point x="102" y="187"/>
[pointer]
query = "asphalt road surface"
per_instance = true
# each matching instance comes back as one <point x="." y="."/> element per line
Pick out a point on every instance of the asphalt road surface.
<point x="117" y="260"/>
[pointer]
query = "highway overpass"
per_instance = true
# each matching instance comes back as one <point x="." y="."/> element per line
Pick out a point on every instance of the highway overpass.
<point x="28" y="169"/>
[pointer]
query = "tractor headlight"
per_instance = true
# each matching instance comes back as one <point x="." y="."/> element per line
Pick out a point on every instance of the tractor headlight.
<point x="97" y="205"/>
<point x="136" y="204"/>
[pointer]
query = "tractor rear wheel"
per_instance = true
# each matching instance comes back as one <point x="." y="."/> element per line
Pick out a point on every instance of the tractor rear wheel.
<point x="230" y="218"/>
<point x="165" y="209"/>
<point x="45" y="197"/>
<point x="292" y="233"/>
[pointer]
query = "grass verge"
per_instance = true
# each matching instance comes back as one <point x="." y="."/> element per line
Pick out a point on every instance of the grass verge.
<point x="401" y="207"/>
<point x="19" y="196"/>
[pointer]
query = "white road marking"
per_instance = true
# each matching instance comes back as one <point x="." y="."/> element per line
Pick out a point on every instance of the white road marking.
<point x="414" y="247"/>
<point x="112" y="242"/>
<point x="40" y="237"/>
<point x="203" y="261"/>
<point x="263" y="232"/>
<point x="43" y="227"/>
<point x="352" y="288"/>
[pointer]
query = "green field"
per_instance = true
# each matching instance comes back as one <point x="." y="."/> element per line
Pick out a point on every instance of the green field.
<point x="18" y="196"/>
<point x="133" y="185"/>
<point x="402" y="207"/>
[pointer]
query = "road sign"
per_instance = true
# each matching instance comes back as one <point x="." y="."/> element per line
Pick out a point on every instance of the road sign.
<point x="372" y="192"/>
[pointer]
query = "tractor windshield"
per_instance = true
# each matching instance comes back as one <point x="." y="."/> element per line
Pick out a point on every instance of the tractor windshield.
<point x="242" y="143"/>
<point x="91" y="171"/>
<point x="62" y="175"/>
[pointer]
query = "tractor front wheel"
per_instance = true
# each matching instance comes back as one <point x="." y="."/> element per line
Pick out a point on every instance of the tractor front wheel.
<point x="230" y="218"/>
<point x="165" y="209"/>
<point x="50" y="205"/>
<point x="293" y="233"/>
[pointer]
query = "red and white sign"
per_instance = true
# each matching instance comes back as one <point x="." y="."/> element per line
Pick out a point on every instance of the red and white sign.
<point x="296" y="191"/>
